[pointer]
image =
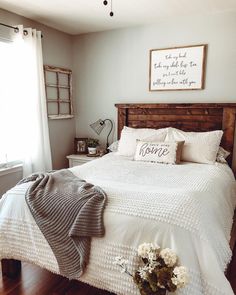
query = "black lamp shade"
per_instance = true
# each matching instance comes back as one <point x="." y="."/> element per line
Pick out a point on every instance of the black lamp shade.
<point x="99" y="125"/>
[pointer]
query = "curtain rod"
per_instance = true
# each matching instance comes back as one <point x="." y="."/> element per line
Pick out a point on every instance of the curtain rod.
<point x="16" y="29"/>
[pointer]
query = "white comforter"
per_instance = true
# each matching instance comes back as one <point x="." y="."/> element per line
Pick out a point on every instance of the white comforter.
<point x="187" y="207"/>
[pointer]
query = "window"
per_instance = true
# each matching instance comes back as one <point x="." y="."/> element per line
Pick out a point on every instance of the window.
<point x="9" y="104"/>
<point x="24" y="134"/>
<point x="58" y="84"/>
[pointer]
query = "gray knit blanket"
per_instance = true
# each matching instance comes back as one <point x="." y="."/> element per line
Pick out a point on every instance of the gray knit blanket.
<point x="68" y="211"/>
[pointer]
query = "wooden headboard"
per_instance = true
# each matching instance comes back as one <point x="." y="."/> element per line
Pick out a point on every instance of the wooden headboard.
<point x="188" y="117"/>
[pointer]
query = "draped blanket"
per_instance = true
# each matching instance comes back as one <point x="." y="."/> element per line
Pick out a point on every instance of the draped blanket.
<point x="68" y="211"/>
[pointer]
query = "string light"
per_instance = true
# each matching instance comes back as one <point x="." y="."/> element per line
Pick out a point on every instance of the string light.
<point x="105" y="2"/>
<point x="111" y="13"/>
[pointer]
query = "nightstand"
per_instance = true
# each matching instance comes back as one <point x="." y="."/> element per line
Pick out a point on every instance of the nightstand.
<point x="76" y="160"/>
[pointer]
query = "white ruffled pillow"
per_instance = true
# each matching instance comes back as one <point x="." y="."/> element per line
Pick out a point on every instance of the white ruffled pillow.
<point x="199" y="147"/>
<point x="159" y="152"/>
<point x="127" y="142"/>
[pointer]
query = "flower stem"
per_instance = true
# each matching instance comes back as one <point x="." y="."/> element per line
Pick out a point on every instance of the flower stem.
<point x="126" y="271"/>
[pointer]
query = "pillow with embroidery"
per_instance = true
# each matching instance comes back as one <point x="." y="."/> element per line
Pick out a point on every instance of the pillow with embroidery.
<point x="159" y="152"/>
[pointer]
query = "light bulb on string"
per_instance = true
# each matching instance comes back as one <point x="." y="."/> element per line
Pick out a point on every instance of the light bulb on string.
<point x="111" y="13"/>
<point x="105" y="2"/>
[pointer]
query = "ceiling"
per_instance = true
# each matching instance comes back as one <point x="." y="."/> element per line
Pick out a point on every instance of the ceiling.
<point x="83" y="16"/>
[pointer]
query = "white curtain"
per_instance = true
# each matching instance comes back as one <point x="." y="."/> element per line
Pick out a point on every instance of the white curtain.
<point x="23" y="112"/>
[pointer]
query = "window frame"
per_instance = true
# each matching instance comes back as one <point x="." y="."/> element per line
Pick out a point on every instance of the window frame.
<point x="57" y="100"/>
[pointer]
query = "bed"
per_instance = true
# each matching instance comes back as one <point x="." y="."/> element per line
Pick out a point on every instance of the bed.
<point x="146" y="203"/>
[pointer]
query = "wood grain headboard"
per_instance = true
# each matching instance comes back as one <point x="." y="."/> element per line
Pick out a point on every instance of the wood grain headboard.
<point x="188" y="117"/>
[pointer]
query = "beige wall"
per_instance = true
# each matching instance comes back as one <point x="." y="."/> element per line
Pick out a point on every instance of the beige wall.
<point x="57" y="49"/>
<point x="112" y="66"/>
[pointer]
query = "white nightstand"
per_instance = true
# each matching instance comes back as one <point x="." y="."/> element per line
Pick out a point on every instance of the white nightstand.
<point x="76" y="160"/>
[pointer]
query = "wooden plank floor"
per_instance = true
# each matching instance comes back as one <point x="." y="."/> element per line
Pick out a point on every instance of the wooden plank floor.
<point x="232" y="271"/>
<point x="36" y="281"/>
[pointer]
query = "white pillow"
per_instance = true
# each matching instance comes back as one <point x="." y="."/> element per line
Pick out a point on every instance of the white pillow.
<point x="127" y="142"/>
<point x="159" y="152"/>
<point x="222" y="154"/>
<point x="199" y="147"/>
<point x="114" y="146"/>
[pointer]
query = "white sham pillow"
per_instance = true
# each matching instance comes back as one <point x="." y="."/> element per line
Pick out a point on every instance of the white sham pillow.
<point x="127" y="142"/>
<point x="199" y="147"/>
<point x="159" y="152"/>
<point x="222" y="155"/>
<point x="114" y="146"/>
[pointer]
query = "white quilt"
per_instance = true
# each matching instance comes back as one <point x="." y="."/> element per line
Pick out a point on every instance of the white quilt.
<point x="187" y="207"/>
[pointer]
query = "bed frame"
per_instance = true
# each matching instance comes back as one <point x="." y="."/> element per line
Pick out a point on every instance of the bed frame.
<point x="188" y="117"/>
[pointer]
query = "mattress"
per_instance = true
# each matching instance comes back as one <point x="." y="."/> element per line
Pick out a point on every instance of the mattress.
<point x="187" y="207"/>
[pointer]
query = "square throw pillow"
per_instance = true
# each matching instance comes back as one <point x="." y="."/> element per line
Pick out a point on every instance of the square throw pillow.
<point x="127" y="142"/>
<point x="199" y="147"/>
<point x="158" y="152"/>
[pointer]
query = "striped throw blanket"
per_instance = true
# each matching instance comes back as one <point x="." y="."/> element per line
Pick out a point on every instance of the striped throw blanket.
<point x="68" y="211"/>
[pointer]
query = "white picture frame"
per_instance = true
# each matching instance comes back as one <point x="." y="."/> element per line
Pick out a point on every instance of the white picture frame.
<point x="177" y="68"/>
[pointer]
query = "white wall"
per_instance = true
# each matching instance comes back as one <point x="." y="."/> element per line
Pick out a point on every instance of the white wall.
<point x="57" y="51"/>
<point x="113" y="66"/>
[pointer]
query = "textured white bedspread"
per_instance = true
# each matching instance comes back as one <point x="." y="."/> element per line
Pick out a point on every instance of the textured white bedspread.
<point x="187" y="207"/>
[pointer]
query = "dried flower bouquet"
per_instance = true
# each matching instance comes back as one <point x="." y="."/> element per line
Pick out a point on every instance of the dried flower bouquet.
<point x="159" y="271"/>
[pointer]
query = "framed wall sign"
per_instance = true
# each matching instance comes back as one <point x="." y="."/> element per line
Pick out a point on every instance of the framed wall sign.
<point x="178" y="68"/>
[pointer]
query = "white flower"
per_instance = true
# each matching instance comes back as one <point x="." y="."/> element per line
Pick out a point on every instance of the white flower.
<point x="180" y="278"/>
<point x="119" y="260"/>
<point x="169" y="257"/>
<point x="143" y="272"/>
<point x="152" y="256"/>
<point x="146" y="248"/>
<point x="152" y="265"/>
